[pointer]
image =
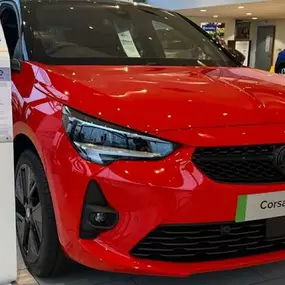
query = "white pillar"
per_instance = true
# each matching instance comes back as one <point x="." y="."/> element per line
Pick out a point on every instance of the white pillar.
<point x="8" y="251"/>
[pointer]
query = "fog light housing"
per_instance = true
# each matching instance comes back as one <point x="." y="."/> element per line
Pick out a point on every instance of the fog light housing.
<point x="101" y="217"/>
<point x="97" y="216"/>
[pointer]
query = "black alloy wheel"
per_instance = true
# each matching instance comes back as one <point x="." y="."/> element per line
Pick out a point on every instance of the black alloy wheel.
<point x="28" y="213"/>
<point x="35" y="219"/>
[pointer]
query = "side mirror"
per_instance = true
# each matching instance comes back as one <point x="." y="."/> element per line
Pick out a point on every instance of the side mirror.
<point x="238" y="55"/>
<point x="15" y="65"/>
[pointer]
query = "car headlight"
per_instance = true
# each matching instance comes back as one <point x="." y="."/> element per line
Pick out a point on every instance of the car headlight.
<point x="101" y="142"/>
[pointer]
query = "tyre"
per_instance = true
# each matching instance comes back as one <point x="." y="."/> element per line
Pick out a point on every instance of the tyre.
<point x="281" y="69"/>
<point x="35" y="220"/>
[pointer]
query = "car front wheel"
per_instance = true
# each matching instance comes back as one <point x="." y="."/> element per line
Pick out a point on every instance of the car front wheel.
<point x="35" y="220"/>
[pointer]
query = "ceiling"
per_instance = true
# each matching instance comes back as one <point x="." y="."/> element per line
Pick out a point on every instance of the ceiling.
<point x="270" y="9"/>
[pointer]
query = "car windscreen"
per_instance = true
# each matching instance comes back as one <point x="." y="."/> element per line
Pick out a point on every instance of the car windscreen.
<point x="106" y="33"/>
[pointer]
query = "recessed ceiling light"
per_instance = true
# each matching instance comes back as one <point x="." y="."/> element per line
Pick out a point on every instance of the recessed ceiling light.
<point x="203" y="10"/>
<point x="215" y="16"/>
<point x="248" y="14"/>
<point x="254" y="18"/>
<point x="241" y="7"/>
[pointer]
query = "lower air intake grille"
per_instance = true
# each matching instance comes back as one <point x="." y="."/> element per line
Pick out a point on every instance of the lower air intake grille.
<point x="195" y="243"/>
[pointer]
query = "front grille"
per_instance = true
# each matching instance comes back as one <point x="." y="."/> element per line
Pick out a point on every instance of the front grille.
<point x="196" y="243"/>
<point x="242" y="164"/>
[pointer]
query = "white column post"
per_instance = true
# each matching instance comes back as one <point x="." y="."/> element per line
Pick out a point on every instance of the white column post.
<point x="8" y="250"/>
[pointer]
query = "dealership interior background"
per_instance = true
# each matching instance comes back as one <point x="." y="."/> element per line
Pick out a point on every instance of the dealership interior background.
<point x="256" y="28"/>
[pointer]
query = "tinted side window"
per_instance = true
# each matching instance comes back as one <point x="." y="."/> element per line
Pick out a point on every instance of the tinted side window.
<point x="10" y="27"/>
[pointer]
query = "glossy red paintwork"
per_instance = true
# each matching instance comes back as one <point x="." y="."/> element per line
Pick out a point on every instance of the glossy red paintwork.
<point x="190" y="105"/>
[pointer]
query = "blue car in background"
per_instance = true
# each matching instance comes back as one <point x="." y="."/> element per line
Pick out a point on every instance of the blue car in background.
<point x="280" y="63"/>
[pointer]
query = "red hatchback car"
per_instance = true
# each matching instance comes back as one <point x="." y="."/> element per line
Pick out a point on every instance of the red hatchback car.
<point x="141" y="145"/>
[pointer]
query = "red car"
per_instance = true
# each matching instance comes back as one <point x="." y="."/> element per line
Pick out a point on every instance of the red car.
<point x="141" y="145"/>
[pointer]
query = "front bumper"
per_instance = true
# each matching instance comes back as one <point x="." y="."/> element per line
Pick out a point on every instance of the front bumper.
<point x="112" y="261"/>
<point x="146" y="195"/>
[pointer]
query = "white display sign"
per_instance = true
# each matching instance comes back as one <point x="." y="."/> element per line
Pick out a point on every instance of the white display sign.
<point x="5" y="106"/>
<point x="243" y="47"/>
<point x="260" y="206"/>
<point x="128" y="44"/>
<point x="8" y="252"/>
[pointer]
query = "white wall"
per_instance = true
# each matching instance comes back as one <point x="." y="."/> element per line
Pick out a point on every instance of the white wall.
<point x="187" y="4"/>
<point x="279" y="37"/>
<point x="230" y="25"/>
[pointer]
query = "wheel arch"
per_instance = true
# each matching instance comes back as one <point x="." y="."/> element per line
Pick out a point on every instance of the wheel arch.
<point x="25" y="138"/>
<point x="22" y="143"/>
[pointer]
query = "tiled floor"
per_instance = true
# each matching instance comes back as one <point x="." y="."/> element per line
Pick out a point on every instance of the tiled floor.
<point x="272" y="274"/>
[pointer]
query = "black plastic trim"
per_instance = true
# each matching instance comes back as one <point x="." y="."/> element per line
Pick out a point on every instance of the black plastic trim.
<point x="96" y="202"/>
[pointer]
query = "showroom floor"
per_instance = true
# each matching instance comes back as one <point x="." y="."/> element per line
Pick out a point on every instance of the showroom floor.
<point x="272" y="274"/>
